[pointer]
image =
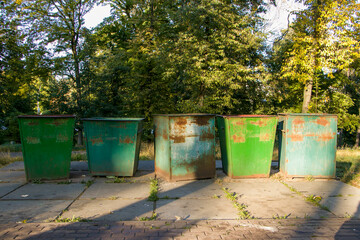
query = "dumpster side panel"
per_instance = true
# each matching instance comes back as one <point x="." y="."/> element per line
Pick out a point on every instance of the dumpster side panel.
<point x="162" y="147"/>
<point x="47" y="145"/>
<point x="225" y="147"/>
<point x="192" y="141"/>
<point x="252" y="145"/>
<point x="311" y="146"/>
<point x="111" y="147"/>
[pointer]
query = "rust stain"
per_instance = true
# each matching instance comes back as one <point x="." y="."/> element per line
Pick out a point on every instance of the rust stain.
<point x="238" y="139"/>
<point x="165" y="134"/>
<point x="287" y="160"/>
<point x="259" y="123"/>
<point x="119" y="126"/>
<point x="96" y="140"/>
<point x="250" y="176"/>
<point x="239" y="123"/>
<point x="298" y="121"/>
<point x="264" y="137"/>
<point x="206" y="136"/>
<point x="61" y="138"/>
<point x="325" y="137"/>
<point x="177" y="138"/>
<point x="33" y="123"/>
<point x="296" y="137"/>
<point x="201" y="121"/>
<point x="32" y="140"/>
<point x="202" y="167"/>
<point x="322" y="121"/>
<point x="55" y="123"/>
<point x="126" y="140"/>
<point x="181" y="122"/>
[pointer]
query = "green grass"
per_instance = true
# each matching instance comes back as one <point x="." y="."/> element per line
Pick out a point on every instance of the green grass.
<point x="6" y="159"/>
<point x="152" y="218"/>
<point x="348" y="166"/>
<point x="153" y="190"/>
<point x="71" y="220"/>
<point x="243" y="213"/>
<point x="10" y="148"/>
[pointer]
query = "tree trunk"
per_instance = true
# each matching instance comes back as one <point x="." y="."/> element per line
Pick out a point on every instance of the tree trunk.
<point x="307" y="96"/>
<point x="80" y="138"/>
<point x="357" y="137"/>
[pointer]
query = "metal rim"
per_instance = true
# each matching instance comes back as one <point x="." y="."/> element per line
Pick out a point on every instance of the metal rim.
<point x="306" y="114"/>
<point x="113" y="119"/>
<point x="184" y="115"/>
<point x="46" y="116"/>
<point x="247" y="116"/>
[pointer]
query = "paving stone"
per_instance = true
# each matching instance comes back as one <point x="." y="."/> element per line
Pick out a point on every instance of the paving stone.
<point x="195" y="209"/>
<point x="47" y="191"/>
<point x="31" y="210"/>
<point x="110" y="210"/>
<point x="5" y="188"/>
<point x="147" y="165"/>
<point x="12" y="176"/>
<point x="79" y="166"/>
<point x="342" y="199"/>
<point x="117" y="190"/>
<point x="200" y="189"/>
<point x="15" y="166"/>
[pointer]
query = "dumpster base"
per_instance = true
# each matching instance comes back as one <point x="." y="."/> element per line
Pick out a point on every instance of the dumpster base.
<point x="287" y="176"/>
<point x="248" y="176"/>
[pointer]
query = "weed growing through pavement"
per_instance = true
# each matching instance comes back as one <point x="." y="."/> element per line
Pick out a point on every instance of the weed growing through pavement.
<point x="88" y="183"/>
<point x="347" y="215"/>
<point x="216" y="196"/>
<point x="276" y="216"/>
<point x="242" y="212"/>
<point x="37" y="181"/>
<point x="309" y="178"/>
<point x="315" y="200"/>
<point x="153" y="190"/>
<point x="72" y="220"/>
<point x="113" y="198"/>
<point x="152" y="218"/>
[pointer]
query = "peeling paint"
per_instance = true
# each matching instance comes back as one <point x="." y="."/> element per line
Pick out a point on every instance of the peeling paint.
<point x="238" y="139"/>
<point x="96" y="140"/>
<point x="33" y="140"/>
<point x="322" y="121"/>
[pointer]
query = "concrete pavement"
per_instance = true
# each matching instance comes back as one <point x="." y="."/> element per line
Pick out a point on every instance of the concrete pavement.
<point x="203" y="209"/>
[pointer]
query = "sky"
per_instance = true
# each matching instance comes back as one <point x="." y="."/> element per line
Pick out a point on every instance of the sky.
<point x="96" y="15"/>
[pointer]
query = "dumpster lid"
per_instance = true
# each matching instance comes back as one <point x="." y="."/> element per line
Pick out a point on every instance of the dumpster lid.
<point x="46" y="116"/>
<point x="113" y="119"/>
<point x="247" y="116"/>
<point x="184" y="115"/>
<point x="306" y="114"/>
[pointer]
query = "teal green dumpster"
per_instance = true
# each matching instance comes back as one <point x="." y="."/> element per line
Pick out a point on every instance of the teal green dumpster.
<point x="46" y="144"/>
<point x="307" y="146"/>
<point x="247" y="144"/>
<point x="184" y="146"/>
<point x="113" y="145"/>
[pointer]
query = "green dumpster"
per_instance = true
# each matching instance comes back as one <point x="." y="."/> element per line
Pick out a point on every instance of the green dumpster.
<point x="47" y="144"/>
<point x="246" y="143"/>
<point x="307" y="146"/>
<point x="113" y="145"/>
<point x="184" y="146"/>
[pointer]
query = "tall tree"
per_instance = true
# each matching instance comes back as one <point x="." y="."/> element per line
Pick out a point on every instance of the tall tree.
<point x="320" y="45"/>
<point x="61" y="23"/>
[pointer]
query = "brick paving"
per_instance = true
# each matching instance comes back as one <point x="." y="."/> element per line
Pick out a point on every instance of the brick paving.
<point x="336" y="228"/>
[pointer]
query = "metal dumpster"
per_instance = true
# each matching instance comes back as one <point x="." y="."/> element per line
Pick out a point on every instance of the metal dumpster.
<point x="307" y="145"/>
<point x="46" y="144"/>
<point x="247" y="144"/>
<point x="184" y="146"/>
<point x="113" y="145"/>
